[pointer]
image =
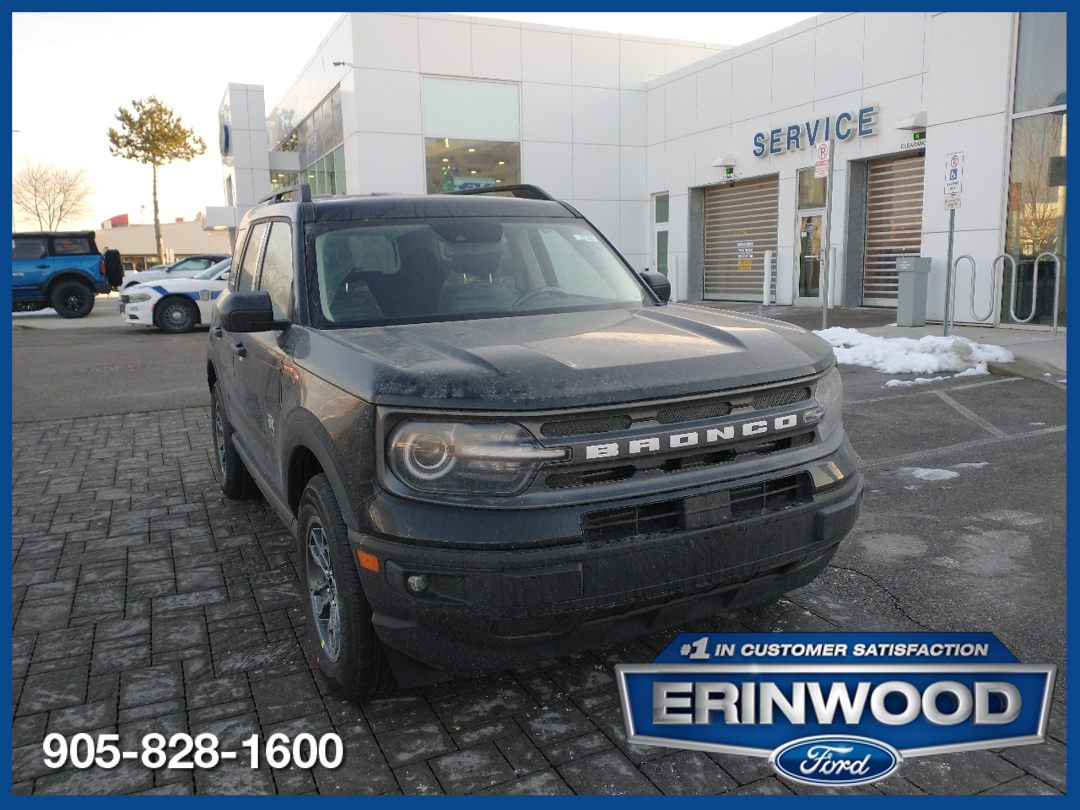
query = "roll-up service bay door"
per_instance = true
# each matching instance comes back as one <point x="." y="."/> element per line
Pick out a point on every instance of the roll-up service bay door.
<point x="740" y="225"/>
<point x="894" y="196"/>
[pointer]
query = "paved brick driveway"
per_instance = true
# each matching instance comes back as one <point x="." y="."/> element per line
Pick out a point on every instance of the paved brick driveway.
<point x="144" y="602"/>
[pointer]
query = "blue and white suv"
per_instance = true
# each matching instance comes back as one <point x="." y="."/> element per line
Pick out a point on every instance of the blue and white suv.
<point x="62" y="270"/>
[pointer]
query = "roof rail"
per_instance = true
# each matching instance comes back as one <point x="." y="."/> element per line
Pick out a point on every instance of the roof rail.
<point x="524" y="190"/>
<point x="304" y="190"/>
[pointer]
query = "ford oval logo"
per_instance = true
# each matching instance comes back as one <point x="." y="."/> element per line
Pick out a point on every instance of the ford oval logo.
<point x="835" y="760"/>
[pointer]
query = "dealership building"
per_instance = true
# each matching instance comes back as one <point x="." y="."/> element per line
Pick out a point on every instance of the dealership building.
<point x="705" y="161"/>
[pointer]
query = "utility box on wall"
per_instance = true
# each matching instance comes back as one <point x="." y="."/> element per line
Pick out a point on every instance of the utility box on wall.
<point x="911" y="296"/>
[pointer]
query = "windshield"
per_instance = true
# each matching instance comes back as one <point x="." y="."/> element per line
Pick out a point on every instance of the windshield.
<point x="214" y="269"/>
<point x="447" y="269"/>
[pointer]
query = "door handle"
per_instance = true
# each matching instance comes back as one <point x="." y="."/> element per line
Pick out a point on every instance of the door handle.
<point x="216" y="331"/>
<point x="239" y="350"/>
<point x="42" y="266"/>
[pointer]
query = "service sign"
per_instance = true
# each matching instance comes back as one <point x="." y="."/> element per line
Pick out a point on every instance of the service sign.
<point x="836" y="708"/>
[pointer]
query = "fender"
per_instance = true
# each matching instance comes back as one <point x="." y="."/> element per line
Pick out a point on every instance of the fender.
<point x="304" y="431"/>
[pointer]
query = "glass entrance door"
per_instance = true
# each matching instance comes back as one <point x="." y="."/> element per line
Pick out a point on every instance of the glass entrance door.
<point x="809" y="257"/>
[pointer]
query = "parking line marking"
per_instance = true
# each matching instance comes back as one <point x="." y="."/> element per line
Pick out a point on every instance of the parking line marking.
<point x="952" y="448"/>
<point x="974" y="417"/>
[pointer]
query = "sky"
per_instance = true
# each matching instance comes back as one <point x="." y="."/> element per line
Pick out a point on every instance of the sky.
<point x="71" y="72"/>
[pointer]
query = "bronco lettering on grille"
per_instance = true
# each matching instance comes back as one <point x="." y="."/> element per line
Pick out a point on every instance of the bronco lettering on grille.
<point x="668" y="442"/>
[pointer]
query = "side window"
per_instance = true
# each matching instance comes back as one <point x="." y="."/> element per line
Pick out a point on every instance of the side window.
<point x="249" y="265"/>
<point x="277" y="269"/>
<point x="29" y="248"/>
<point x="71" y="246"/>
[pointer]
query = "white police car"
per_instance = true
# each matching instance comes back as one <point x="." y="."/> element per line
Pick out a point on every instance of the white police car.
<point x="175" y="305"/>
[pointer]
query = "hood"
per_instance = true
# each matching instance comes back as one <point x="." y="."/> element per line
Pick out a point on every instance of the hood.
<point x="157" y="275"/>
<point x="561" y="360"/>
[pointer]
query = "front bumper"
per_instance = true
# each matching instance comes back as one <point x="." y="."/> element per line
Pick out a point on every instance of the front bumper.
<point x="483" y="610"/>
<point x="140" y="313"/>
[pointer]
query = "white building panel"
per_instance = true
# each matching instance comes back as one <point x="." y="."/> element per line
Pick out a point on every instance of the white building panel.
<point x="596" y="115"/>
<point x="547" y="112"/>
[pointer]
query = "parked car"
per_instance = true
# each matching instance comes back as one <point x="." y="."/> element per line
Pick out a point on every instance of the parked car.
<point x="184" y="268"/>
<point x="496" y="443"/>
<point x="175" y="305"/>
<point x="62" y="270"/>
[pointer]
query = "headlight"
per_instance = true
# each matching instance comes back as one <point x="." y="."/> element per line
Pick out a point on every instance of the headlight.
<point x="139" y="297"/>
<point x="830" y="398"/>
<point x="467" y="459"/>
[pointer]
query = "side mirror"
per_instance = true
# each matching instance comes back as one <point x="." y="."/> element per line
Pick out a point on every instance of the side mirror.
<point x="249" y="311"/>
<point x="658" y="283"/>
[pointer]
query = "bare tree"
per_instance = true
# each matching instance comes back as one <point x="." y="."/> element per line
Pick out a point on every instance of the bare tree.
<point x="51" y="194"/>
<point x="153" y="134"/>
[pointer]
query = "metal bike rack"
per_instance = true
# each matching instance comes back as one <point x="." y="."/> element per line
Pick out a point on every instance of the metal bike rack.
<point x="993" y="285"/>
<point x="1035" y="289"/>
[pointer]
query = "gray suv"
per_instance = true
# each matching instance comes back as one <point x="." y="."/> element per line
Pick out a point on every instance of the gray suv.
<point x="496" y="443"/>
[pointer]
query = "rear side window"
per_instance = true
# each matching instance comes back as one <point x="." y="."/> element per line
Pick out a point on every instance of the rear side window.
<point x="277" y="268"/>
<point x="249" y="265"/>
<point x="71" y="246"/>
<point x="32" y="248"/>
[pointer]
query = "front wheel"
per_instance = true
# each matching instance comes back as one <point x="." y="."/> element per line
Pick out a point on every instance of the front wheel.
<point x="72" y="299"/>
<point x="176" y="316"/>
<point x="229" y="470"/>
<point x="347" y="651"/>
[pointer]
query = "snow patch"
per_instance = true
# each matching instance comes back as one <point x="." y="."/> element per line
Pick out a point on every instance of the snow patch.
<point x="926" y="474"/>
<point x="927" y="355"/>
<point x="916" y="381"/>
<point x="970" y="465"/>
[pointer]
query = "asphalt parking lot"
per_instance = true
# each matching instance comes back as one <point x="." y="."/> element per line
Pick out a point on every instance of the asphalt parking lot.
<point x="142" y="601"/>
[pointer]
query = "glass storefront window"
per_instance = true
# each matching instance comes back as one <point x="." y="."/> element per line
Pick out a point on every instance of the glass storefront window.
<point x="339" y="170"/>
<point x="1040" y="61"/>
<point x="812" y="190"/>
<point x="280" y="180"/>
<point x="453" y="163"/>
<point x="1036" y="214"/>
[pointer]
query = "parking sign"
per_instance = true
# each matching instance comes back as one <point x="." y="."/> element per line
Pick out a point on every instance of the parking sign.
<point x="821" y="159"/>
<point x="954" y="173"/>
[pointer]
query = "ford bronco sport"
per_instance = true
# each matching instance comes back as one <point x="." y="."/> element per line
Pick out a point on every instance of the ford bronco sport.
<point x="62" y="270"/>
<point x="496" y="443"/>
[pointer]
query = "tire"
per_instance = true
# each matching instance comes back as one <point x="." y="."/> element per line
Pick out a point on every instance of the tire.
<point x="176" y="315"/>
<point x="348" y="653"/>
<point x="72" y="299"/>
<point x="114" y="268"/>
<point x="229" y="470"/>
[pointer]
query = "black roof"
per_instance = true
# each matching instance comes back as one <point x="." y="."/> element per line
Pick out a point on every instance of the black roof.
<point x="89" y="234"/>
<point x="332" y="209"/>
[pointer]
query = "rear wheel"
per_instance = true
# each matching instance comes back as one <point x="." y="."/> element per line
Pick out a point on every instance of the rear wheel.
<point x="348" y="653"/>
<point x="229" y="470"/>
<point x="176" y="315"/>
<point x="72" y="299"/>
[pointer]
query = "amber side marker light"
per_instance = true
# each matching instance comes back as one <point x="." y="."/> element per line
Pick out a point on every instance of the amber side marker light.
<point x="368" y="561"/>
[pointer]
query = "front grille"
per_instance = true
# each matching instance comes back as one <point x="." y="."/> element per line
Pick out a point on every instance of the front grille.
<point x="629" y="521"/>
<point x="699" y="511"/>
<point x="580" y="427"/>
<point x="771" y="496"/>
<point x="691" y="413"/>
<point x="624" y="472"/>
<point x="580" y="479"/>
<point x="775" y="399"/>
